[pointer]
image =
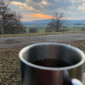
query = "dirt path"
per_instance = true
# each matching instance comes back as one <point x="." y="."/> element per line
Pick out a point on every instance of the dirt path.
<point x="59" y="38"/>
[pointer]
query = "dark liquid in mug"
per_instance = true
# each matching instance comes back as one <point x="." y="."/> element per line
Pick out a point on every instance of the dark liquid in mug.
<point x="52" y="63"/>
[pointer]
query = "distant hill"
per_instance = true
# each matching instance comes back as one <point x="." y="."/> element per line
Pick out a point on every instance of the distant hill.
<point x="46" y="21"/>
<point x="75" y="22"/>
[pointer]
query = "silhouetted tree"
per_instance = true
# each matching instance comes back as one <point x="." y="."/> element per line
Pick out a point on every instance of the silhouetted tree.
<point x="10" y="22"/>
<point x="56" y="23"/>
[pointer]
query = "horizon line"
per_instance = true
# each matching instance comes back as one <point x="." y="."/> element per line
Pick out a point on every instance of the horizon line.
<point x="49" y="19"/>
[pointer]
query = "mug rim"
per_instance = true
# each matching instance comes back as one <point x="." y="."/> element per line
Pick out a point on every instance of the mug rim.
<point x="52" y="68"/>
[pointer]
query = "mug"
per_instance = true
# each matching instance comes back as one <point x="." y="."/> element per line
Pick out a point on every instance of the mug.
<point x="51" y="64"/>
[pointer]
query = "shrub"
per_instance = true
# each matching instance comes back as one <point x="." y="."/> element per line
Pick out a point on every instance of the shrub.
<point x="82" y="29"/>
<point x="33" y="30"/>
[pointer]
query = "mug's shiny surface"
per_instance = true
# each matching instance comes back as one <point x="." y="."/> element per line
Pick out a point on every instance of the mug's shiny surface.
<point x="39" y="75"/>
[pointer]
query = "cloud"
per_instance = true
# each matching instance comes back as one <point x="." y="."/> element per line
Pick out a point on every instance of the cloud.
<point x="46" y="8"/>
<point x="19" y="1"/>
<point x="44" y="2"/>
<point x="42" y="16"/>
<point x="22" y="5"/>
<point x="35" y="16"/>
<point x="82" y="7"/>
<point x="38" y="1"/>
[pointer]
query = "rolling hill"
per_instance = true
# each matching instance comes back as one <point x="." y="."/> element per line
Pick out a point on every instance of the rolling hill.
<point x="46" y="21"/>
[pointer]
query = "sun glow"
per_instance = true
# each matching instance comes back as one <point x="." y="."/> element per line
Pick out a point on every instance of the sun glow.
<point x="42" y="16"/>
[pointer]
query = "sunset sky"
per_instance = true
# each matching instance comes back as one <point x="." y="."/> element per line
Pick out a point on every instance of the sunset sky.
<point x="44" y="9"/>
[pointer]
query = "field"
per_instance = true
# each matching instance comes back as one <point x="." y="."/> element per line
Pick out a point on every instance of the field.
<point x="41" y="28"/>
<point x="10" y="64"/>
<point x="70" y="28"/>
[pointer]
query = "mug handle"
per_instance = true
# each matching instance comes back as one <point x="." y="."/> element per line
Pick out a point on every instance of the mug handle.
<point x="76" y="82"/>
<point x="69" y="81"/>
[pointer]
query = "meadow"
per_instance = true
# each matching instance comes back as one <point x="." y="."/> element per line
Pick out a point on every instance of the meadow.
<point x="68" y="28"/>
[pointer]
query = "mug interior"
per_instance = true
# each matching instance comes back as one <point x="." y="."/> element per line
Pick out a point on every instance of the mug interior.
<point x="43" y="51"/>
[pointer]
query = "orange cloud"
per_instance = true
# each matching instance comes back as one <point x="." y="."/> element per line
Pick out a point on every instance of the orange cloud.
<point x="41" y="16"/>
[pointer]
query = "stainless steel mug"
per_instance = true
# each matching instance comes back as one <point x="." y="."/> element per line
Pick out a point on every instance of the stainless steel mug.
<point x="33" y="74"/>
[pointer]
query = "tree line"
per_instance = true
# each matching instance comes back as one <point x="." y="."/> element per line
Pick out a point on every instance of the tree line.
<point x="10" y="21"/>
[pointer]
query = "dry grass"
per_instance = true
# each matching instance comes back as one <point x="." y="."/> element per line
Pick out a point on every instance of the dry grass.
<point x="9" y="67"/>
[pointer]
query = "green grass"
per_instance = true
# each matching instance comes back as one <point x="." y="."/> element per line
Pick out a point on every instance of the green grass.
<point x="10" y="64"/>
<point x="38" y="33"/>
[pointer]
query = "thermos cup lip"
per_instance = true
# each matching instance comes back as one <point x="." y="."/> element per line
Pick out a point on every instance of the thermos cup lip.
<point x="51" y="68"/>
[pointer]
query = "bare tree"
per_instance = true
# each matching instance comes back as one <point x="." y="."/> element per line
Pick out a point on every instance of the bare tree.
<point x="56" y="23"/>
<point x="10" y="21"/>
